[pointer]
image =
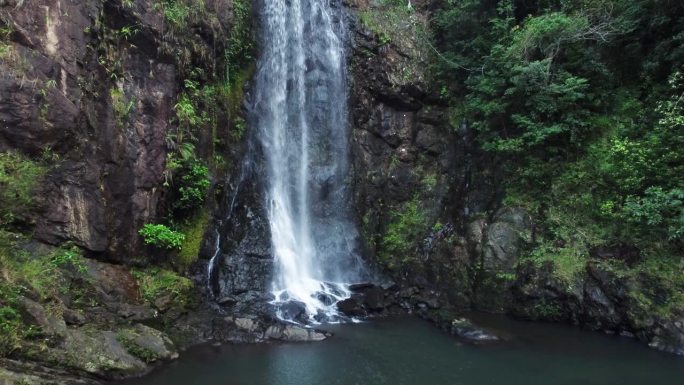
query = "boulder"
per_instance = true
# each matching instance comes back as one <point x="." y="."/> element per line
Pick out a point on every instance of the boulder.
<point x="50" y="322"/>
<point x="670" y="336"/>
<point x="293" y="333"/>
<point x="374" y="298"/>
<point x="351" y="307"/>
<point x="293" y="311"/>
<point x="73" y="317"/>
<point x="466" y="330"/>
<point x="147" y="344"/>
<point x="99" y="353"/>
<point x="358" y="287"/>
<point x="246" y="324"/>
<point x="325" y="298"/>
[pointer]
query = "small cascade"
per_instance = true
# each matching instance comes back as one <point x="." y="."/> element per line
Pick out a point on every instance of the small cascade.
<point x="212" y="262"/>
<point x="300" y="112"/>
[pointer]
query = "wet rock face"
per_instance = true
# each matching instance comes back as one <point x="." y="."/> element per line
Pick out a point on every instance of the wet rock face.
<point x="99" y="106"/>
<point x="495" y="245"/>
<point x="244" y="265"/>
<point x="597" y="299"/>
<point x="418" y="180"/>
<point x="403" y="149"/>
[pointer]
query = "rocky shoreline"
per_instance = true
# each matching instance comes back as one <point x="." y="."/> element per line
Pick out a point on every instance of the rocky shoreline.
<point x="120" y="335"/>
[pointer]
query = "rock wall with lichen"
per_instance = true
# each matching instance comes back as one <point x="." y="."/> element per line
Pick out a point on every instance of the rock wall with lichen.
<point x="100" y="100"/>
<point x="91" y="88"/>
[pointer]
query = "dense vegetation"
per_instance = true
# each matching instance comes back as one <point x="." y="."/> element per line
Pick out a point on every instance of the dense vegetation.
<point x="582" y="102"/>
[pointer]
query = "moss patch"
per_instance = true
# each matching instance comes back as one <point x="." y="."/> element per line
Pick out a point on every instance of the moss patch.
<point x="122" y="107"/>
<point x="127" y="340"/>
<point x="390" y="21"/>
<point x="5" y="42"/>
<point x="156" y="283"/>
<point x="194" y="234"/>
<point x="42" y="276"/>
<point x="19" y="177"/>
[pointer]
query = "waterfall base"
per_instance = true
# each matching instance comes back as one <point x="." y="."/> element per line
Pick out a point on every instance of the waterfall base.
<point x="314" y="303"/>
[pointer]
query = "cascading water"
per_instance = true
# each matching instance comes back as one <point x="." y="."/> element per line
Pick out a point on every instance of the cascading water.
<point x="300" y="111"/>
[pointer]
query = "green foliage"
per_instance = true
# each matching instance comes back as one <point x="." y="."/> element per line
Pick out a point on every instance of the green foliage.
<point x="584" y="118"/>
<point x="655" y="286"/>
<point x="46" y="277"/>
<point x="188" y="118"/>
<point x="240" y="51"/>
<point x="179" y="13"/>
<point x="5" y="34"/>
<point x="189" y="179"/>
<point x="19" y="177"/>
<point x="568" y="263"/>
<point x="200" y="108"/>
<point x="155" y="283"/>
<point x="239" y="129"/>
<point x="661" y="282"/>
<point x="10" y="331"/>
<point x="404" y="231"/>
<point x="212" y="95"/>
<point x="546" y="310"/>
<point x="127" y="32"/>
<point x="429" y="181"/>
<point x="192" y="185"/>
<point x="161" y="236"/>
<point x="6" y="31"/>
<point x="69" y="257"/>
<point x="11" y="326"/>
<point x="658" y="211"/>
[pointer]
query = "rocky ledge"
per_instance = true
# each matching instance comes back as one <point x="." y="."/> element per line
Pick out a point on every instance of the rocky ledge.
<point x="109" y="326"/>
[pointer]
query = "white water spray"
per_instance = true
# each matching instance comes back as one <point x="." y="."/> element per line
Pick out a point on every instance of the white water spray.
<point x="301" y="114"/>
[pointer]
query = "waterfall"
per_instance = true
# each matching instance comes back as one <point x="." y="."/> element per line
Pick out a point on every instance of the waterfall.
<point x="300" y="112"/>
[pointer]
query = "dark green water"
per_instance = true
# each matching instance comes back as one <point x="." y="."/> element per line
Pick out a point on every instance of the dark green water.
<point x="412" y="352"/>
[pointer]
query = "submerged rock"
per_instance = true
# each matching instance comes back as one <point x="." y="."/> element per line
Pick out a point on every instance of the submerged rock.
<point x="466" y="330"/>
<point x="293" y="333"/>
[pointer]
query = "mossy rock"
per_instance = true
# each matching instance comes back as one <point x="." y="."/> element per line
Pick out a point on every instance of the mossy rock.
<point x="146" y="343"/>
